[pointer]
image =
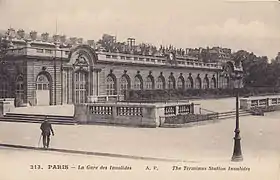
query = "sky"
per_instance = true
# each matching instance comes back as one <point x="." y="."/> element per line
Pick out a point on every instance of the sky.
<point x="253" y="26"/>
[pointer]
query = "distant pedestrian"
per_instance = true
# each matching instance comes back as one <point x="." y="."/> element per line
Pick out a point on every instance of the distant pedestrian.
<point x="46" y="129"/>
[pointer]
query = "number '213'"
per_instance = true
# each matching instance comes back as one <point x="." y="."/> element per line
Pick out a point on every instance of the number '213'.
<point x="35" y="166"/>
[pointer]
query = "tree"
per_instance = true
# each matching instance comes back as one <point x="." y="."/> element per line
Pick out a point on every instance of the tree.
<point x="108" y="42"/>
<point x="257" y="70"/>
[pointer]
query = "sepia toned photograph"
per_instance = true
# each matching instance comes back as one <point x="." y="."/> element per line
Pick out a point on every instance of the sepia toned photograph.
<point x="138" y="89"/>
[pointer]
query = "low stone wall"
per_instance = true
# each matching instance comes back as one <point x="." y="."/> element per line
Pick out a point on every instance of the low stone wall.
<point x="263" y="102"/>
<point x="188" y="118"/>
<point x="266" y="108"/>
<point x="131" y="114"/>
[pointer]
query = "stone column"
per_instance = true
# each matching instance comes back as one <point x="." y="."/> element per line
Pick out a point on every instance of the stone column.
<point x="176" y="109"/>
<point x="191" y="108"/>
<point x="95" y="84"/>
<point x="65" y="84"/>
<point x="71" y="85"/>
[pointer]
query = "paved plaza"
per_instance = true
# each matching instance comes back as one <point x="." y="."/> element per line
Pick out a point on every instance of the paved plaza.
<point x="209" y="144"/>
<point x="58" y="110"/>
<point x="216" y="105"/>
<point x="212" y="141"/>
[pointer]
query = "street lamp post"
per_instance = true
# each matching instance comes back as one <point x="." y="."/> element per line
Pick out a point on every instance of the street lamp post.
<point x="237" y="153"/>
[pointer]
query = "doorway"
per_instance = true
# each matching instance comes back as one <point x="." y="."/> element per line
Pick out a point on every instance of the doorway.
<point x="43" y="90"/>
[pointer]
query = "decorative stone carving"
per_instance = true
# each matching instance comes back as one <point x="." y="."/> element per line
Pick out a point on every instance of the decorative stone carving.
<point x="45" y="37"/>
<point x="63" y="39"/>
<point x="73" y="40"/>
<point x="33" y="35"/>
<point x="21" y="33"/>
<point x="55" y="38"/>
<point x="81" y="61"/>
<point x="11" y="33"/>
<point x="91" y="42"/>
<point x="80" y="40"/>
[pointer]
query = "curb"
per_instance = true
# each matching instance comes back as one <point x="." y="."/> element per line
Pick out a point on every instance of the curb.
<point x="94" y="153"/>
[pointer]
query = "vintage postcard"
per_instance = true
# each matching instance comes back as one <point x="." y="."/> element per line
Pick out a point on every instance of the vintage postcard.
<point x="139" y="89"/>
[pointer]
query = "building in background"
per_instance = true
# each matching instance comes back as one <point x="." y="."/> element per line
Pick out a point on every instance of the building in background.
<point x="51" y="70"/>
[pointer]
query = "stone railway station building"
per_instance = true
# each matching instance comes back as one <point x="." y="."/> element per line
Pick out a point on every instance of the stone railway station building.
<point x="42" y="72"/>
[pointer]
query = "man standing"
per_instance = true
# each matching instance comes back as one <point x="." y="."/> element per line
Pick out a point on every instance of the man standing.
<point x="46" y="129"/>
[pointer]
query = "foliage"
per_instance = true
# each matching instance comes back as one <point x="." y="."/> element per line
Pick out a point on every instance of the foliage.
<point x="258" y="72"/>
<point x="175" y="94"/>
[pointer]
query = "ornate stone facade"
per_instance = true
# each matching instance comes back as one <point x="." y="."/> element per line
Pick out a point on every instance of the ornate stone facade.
<point x="42" y="73"/>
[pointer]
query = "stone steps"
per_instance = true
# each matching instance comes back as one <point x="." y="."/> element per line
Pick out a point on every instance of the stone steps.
<point x="231" y="114"/>
<point x="33" y="118"/>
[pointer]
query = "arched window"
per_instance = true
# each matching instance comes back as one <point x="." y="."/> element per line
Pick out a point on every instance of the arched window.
<point x="3" y="87"/>
<point x="19" y="89"/>
<point x="43" y="89"/>
<point x="124" y="84"/>
<point x="110" y="85"/>
<point x="180" y="83"/>
<point x="198" y="83"/>
<point x="42" y="82"/>
<point x="160" y="83"/>
<point x="189" y="83"/>
<point x="149" y="82"/>
<point x="213" y="83"/>
<point x="80" y="87"/>
<point x="138" y="82"/>
<point x="205" y="83"/>
<point x="171" y="82"/>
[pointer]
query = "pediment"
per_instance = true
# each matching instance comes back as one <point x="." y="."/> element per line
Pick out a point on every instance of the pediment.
<point x="81" y="61"/>
<point x="82" y="56"/>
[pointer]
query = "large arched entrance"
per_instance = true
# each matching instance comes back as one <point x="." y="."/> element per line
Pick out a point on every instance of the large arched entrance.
<point x="43" y="90"/>
<point x="83" y="83"/>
